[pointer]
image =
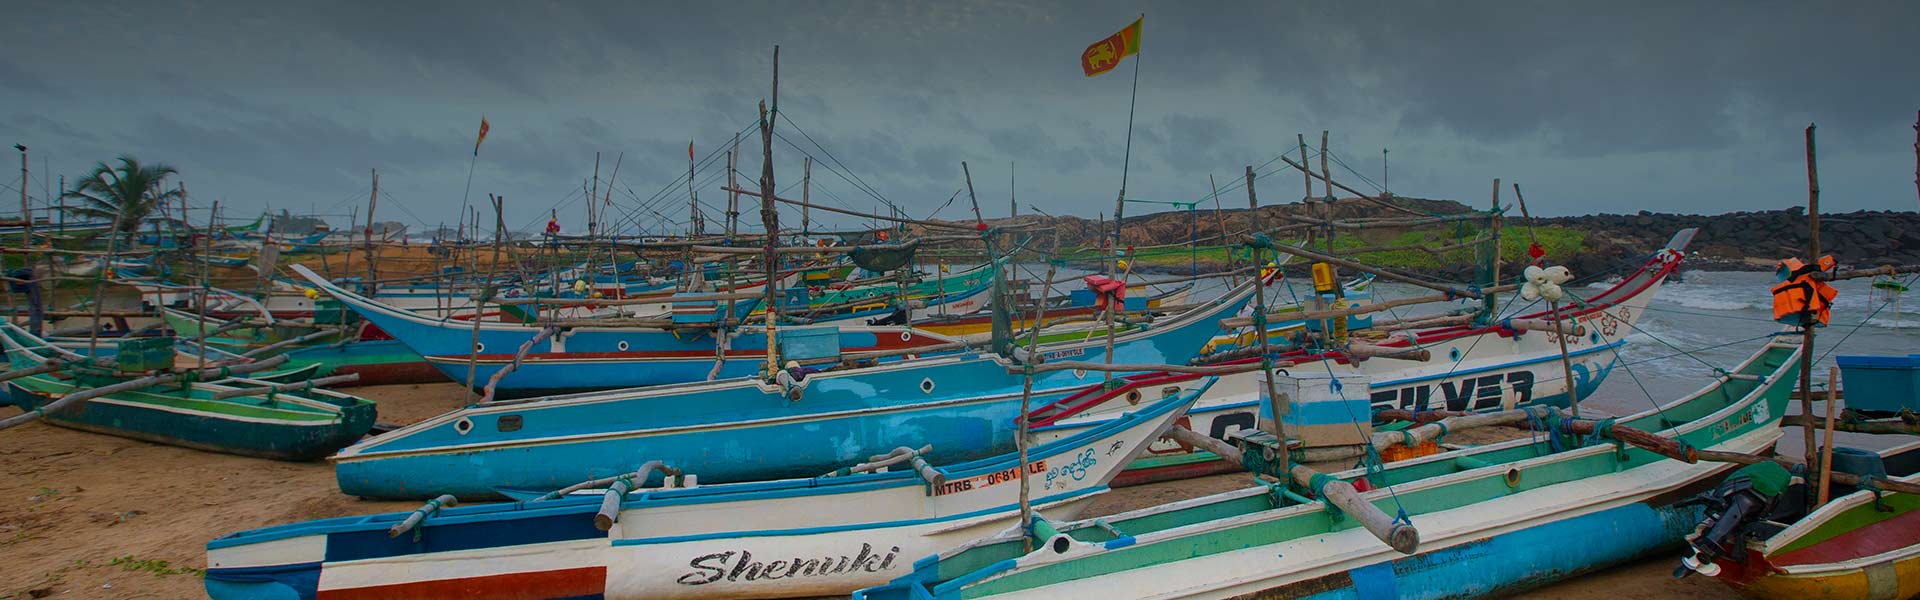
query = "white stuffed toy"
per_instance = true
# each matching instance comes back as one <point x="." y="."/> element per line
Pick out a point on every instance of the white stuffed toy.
<point x="1544" y="283"/>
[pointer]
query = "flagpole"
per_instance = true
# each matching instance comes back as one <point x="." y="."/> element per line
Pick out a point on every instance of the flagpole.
<point x="469" y="190"/>
<point x="1126" y="160"/>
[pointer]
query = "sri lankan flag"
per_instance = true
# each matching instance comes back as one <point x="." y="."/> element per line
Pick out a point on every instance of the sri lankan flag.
<point x="1105" y="54"/>
<point x="482" y="137"/>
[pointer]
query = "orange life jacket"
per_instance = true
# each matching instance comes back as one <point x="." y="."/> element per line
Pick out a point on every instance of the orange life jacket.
<point x="1799" y="299"/>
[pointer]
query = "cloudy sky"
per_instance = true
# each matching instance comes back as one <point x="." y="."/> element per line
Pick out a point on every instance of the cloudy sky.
<point x="1592" y="106"/>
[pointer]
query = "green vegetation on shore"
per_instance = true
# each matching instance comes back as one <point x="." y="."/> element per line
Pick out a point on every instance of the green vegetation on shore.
<point x="1558" y="241"/>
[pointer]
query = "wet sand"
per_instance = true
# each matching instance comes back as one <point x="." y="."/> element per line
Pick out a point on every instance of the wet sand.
<point x="85" y="515"/>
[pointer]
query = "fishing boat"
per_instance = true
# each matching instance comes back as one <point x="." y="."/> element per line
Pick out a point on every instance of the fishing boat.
<point x="1496" y="366"/>
<point x="1865" y="543"/>
<point x="283" y="425"/>
<point x="811" y="536"/>
<point x="748" y="428"/>
<point x="1490" y="519"/>
<point x="597" y="358"/>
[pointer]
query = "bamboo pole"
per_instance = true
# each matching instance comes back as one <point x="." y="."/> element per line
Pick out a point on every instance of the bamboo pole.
<point x="134" y="384"/>
<point x="1826" y="450"/>
<point x="525" y="347"/>
<point x="1402" y="537"/>
<point x="283" y="387"/>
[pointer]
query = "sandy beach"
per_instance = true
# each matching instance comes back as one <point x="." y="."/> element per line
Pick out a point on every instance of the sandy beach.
<point x="85" y="515"/>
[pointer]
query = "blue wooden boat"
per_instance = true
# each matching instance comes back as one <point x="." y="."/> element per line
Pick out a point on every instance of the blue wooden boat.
<point x="747" y="429"/>
<point x="595" y="358"/>
<point x="813" y="536"/>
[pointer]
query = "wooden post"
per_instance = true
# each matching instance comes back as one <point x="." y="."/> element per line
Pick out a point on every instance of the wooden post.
<point x="593" y="193"/>
<point x="1826" y="450"/>
<point x="1493" y="301"/>
<point x="1813" y="258"/>
<point x="206" y="254"/>
<point x="806" y="196"/>
<point x="1916" y="156"/>
<point x="1013" y="201"/>
<point x="1306" y="177"/>
<point x="975" y="200"/>
<point x="373" y="200"/>
<point x="26" y="211"/>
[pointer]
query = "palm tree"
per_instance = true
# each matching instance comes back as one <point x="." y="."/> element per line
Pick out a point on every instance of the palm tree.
<point x="130" y="192"/>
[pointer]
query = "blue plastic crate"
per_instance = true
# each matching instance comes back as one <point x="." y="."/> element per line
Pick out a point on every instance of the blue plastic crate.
<point x="809" y="343"/>
<point x="1881" y="383"/>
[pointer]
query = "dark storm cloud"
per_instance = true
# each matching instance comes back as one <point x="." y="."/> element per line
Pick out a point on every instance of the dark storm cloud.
<point x="1612" y="106"/>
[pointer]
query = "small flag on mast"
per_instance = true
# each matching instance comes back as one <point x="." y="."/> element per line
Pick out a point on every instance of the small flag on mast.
<point x="1105" y="54"/>
<point x="689" y="150"/>
<point x="482" y="138"/>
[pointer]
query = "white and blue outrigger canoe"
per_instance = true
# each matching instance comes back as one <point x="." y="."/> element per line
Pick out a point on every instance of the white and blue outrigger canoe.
<point x="815" y="536"/>
<point x="746" y="428"/>
<point x="1492" y="520"/>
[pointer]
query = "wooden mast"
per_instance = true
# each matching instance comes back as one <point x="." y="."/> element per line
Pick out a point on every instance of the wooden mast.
<point x="770" y="218"/>
<point x="373" y="200"/>
<point x="1806" y="335"/>
<point x="1278" y="404"/>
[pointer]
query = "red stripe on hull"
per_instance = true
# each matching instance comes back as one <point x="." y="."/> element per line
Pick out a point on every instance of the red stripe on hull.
<point x="1885" y="536"/>
<point x="537" y="585"/>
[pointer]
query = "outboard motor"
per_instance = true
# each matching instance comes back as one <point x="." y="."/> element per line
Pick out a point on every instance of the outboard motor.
<point x="1747" y="497"/>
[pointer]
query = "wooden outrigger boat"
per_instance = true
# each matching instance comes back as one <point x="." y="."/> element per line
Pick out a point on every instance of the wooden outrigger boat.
<point x="1491" y="519"/>
<point x="248" y="417"/>
<point x="747" y="428"/>
<point x="798" y="537"/>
